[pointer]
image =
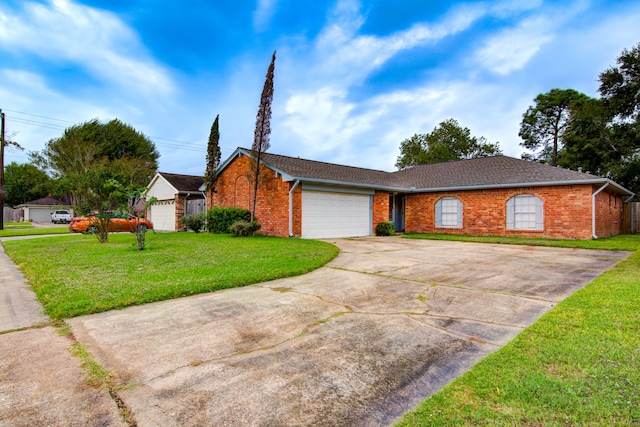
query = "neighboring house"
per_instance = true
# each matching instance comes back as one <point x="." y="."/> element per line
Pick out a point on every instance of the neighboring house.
<point x="40" y="210"/>
<point x="175" y="195"/>
<point x="492" y="196"/>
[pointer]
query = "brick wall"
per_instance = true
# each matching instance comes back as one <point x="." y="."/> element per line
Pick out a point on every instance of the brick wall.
<point x="179" y="204"/>
<point x="272" y="204"/>
<point x="608" y="214"/>
<point x="567" y="212"/>
<point x="380" y="208"/>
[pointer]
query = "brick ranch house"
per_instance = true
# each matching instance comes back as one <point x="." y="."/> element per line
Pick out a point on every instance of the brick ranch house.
<point x="492" y="196"/>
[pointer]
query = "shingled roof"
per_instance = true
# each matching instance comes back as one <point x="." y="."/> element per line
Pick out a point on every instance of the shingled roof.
<point x="497" y="171"/>
<point x="326" y="172"/>
<point x="183" y="183"/>
<point x="485" y="172"/>
<point x="49" y="201"/>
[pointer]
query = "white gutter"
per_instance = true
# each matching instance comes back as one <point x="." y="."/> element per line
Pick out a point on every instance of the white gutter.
<point x="593" y="210"/>
<point x="291" y="207"/>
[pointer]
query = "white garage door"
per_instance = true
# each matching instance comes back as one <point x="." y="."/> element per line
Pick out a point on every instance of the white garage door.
<point x="40" y="214"/>
<point x="163" y="215"/>
<point x="326" y="214"/>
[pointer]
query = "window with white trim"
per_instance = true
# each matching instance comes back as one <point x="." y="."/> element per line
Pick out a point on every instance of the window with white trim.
<point x="448" y="213"/>
<point x="525" y="212"/>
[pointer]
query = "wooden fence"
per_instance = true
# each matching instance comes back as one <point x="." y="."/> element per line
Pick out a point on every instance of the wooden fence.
<point x="631" y="218"/>
<point x="196" y="206"/>
<point x="13" y="215"/>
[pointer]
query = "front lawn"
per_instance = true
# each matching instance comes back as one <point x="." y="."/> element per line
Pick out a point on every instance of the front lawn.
<point x="578" y="365"/>
<point x="72" y="277"/>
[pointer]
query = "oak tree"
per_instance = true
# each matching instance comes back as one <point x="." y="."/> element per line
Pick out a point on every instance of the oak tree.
<point x="448" y="141"/>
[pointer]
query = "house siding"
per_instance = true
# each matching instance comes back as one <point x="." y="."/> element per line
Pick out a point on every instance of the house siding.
<point x="567" y="212"/>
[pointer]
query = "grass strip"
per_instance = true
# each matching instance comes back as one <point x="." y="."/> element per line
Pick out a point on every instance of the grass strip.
<point x="31" y="231"/>
<point x="72" y="277"/>
<point x="578" y="365"/>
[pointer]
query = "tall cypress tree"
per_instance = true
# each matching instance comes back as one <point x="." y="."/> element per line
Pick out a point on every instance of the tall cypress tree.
<point x="213" y="157"/>
<point x="263" y="131"/>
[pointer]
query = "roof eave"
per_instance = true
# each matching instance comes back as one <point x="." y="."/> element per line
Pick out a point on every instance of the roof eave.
<point x="523" y="184"/>
<point x="346" y="183"/>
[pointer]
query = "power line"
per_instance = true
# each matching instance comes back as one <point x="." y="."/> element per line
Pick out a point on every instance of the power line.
<point x="35" y="123"/>
<point x="189" y="146"/>
<point x="36" y="115"/>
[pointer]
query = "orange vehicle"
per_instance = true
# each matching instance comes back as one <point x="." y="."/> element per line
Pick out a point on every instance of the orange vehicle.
<point x="117" y="223"/>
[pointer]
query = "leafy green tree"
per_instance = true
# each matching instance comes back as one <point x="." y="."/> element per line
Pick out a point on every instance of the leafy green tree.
<point x="90" y="154"/>
<point x="25" y="182"/>
<point x="262" y="132"/>
<point x="544" y="124"/>
<point x="448" y="141"/>
<point x="213" y="157"/>
<point x="620" y="86"/>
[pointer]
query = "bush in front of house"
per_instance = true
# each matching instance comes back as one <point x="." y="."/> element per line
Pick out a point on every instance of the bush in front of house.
<point x="244" y="228"/>
<point x="220" y="220"/>
<point x="194" y="222"/>
<point x="384" y="229"/>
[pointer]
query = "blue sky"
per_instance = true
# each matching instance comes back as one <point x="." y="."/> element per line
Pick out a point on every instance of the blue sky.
<point x="353" y="79"/>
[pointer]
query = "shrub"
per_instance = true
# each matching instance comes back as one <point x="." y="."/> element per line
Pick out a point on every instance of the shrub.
<point x="220" y="220"/>
<point x="244" y="228"/>
<point x="385" y="229"/>
<point x="194" y="222"/>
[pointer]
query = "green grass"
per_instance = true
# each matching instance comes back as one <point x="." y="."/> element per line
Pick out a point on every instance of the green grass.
<point x="617" y="243"/>
<point x="578" y="365"/>
<point x="14" y="225"/>
<point x="29" y="230"/>
<point x="72" y="277"/>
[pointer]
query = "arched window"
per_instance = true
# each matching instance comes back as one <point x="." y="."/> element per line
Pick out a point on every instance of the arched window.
<point x="448" y="213"/>
<point x="525" y="212"/>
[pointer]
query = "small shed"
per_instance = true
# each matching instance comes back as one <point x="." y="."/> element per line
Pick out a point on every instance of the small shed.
<point x="176" y="196"/>
<point x="40" y="210"/>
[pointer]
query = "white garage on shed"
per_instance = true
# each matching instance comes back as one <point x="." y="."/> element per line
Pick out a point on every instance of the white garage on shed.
<point x="175" y="194"/>
<point x="40" y="210"/>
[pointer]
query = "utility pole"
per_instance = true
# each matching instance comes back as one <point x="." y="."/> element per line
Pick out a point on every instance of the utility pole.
<point x="2" y="144"/>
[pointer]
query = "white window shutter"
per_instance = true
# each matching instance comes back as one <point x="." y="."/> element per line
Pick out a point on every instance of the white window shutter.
<point x="439" y="213"/>
<point x="459" y="213"/>
<point x="539" y="214"/>
<point x="511" y="213"/>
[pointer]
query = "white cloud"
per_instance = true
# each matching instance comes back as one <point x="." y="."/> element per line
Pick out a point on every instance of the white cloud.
<point x="263" y="14"/>
<point x="63" y="31"/>
<point x="513" y="48"/>
<point x="344" y="54"/>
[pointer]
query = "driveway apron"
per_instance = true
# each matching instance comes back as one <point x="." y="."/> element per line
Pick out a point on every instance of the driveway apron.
<point x="357" y="342"/>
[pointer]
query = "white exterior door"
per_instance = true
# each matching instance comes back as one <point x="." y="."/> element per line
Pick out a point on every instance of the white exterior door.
<point x="327" y="214"/>
<point x="163" y="215"/>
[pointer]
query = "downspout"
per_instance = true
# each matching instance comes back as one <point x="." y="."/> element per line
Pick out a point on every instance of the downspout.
<point x="291" y="207"/>
<point x="593" y="210"/>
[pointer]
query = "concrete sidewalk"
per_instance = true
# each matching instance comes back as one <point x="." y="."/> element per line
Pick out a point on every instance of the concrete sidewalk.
<point x="41" y="383"/>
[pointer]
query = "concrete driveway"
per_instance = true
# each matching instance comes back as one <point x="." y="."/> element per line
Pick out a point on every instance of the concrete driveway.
<point x="358" y="342"/>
